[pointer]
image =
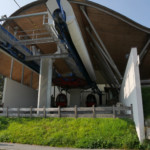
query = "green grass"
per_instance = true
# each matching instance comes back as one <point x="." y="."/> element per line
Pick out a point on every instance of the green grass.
<point x="146" y="101"/>
<point x="70" y="132"/>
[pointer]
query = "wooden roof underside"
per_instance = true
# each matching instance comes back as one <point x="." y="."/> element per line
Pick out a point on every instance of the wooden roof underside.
<point x="117" y="35"/>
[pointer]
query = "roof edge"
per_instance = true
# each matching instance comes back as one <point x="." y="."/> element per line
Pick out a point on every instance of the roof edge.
<point x="93" y="5"/>
<point x="112" y="13"/>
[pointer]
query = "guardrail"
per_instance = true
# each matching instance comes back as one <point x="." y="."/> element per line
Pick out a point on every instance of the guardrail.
<point x="76" y="112"/>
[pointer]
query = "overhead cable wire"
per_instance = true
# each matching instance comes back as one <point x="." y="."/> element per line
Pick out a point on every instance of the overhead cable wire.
<point x="17" y="3"/>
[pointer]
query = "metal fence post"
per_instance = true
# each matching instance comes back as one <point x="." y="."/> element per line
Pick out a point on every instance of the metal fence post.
<point x="18" y="111"/>
<point x="31" y="112"/>
<point x="94" y="115"/>
<point x="114" y="112"/>
<point x="44" y="112"/>
<point x="132" y="111"/>
<point x="7" y="112"/>
<point x="59" y="112"/>
<point x="75" y="111"/>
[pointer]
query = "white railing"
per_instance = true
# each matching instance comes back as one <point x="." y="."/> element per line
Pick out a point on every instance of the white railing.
<point x="76" y="112"/>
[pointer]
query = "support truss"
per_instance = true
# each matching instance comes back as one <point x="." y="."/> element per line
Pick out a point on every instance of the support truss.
<point x="106" y="54"/>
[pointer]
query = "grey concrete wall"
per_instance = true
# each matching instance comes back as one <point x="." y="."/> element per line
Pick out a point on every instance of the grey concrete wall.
<point x="75" y="98"/>
<point x="130" y="92"/>
<point x="78" y="97"/>
<point x="18" y="95"/>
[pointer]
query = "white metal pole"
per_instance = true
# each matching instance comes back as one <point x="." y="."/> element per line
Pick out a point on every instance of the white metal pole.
<point x="49" y="92"/>
<point x="40" y="79"/>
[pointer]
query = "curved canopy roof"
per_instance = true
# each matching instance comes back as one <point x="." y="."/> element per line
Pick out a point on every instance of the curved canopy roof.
<point x="117" y="34"/>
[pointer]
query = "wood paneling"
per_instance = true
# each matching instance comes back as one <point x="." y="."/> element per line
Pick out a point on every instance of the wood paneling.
<point x="5" y="64"/>
<point x="35" y="81"/>
<point x="17" y="71"/>
<point x="27" y="76"/>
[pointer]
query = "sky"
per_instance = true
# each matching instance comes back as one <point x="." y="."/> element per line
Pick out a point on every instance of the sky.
<point x="137" y="10"/>
<point x="7" y="7"/>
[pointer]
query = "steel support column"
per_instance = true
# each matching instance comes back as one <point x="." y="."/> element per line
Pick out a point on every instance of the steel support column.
<point x="45" y="83"/>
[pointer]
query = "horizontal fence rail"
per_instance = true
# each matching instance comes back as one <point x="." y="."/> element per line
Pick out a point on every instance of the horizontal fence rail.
<point x="76" y="112"/>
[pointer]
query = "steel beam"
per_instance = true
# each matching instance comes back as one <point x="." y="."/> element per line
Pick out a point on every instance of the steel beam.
<point x="105" y="73"/>
<point x="24" y="16"/>
<point x="102" y="54"/>
<point x="96" y="43"/>
<point x="50" y="56"/>
<point x="145" y="81"/>
<point x="107" y="55"/>
<point x="35" y="41"/>
<point x="109" y="73"/>
<point x="144" y="50"/>
<point x="9" y="38"/>
<point x="33" y="34"/>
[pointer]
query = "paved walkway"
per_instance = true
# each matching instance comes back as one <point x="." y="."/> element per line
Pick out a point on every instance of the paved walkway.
<point x="12" y="146"/>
